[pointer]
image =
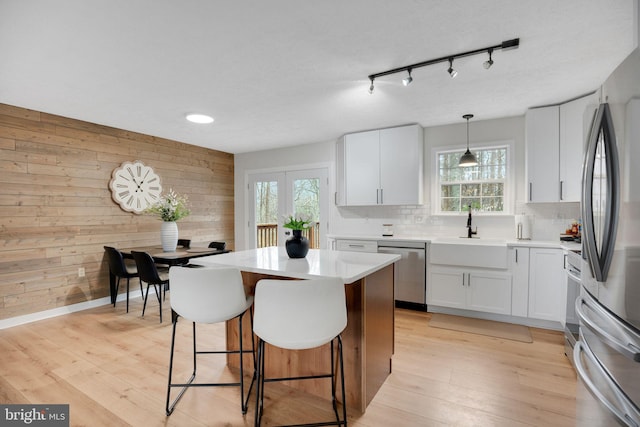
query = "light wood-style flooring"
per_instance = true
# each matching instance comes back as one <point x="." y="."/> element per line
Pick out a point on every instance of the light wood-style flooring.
<point x="111" y="367"/>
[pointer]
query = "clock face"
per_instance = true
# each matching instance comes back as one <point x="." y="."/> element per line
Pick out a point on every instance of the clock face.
<point x="135" y="186"/>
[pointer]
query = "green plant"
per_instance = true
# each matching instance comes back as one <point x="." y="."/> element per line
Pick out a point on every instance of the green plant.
<point x="297" y="222"/>
<point x="170" y="207"/>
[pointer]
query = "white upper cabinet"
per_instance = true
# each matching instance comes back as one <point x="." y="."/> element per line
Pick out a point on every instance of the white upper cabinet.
<point x="575" y="120"/>
<point x="542" y="131"/>
<point x="380" y="167"/>
<point x="401" y="165"/>
<point x="361" y="152"/>
<point x="555" y="138"/>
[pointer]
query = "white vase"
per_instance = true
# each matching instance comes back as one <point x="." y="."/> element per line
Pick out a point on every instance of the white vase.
<point x="169" y="236"/>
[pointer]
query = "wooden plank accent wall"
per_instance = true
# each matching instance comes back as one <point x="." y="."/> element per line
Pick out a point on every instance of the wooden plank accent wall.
<point x="56" y="210"/>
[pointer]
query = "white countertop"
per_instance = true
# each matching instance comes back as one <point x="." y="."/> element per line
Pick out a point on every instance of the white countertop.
<point x="479" y="241"/>
<point x="348" y="266"/>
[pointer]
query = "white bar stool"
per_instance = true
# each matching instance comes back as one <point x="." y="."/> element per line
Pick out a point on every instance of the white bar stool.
<point x="208" y="295"/>
<point x="298" y="315"/>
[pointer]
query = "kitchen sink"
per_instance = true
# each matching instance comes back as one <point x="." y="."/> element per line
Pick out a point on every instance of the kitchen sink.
<point x="469" y="241"/>
<point x="484" y="253"/>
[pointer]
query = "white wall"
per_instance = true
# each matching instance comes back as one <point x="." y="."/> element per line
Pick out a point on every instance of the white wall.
<point x="549" y="219"/>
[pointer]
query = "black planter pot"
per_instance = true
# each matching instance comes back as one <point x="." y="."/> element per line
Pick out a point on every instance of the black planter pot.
<point x="297" y="245"/>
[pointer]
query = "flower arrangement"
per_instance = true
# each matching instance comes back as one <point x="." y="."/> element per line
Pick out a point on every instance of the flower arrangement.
<point x="297" y="222"/>
<point x="170" y="207"/>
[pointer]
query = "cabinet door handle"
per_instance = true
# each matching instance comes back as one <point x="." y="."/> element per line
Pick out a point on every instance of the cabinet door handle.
<point x="463" y="279"/>
<point x="561" y="198"/>
<point x="469" y="279"/>
<point x="377" y="196"/>
<point x="382" y="196"/>
<point x="530" y="191"/>
<point x="516" y="256"/>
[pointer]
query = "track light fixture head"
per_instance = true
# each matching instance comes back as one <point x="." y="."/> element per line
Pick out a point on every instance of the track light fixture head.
<point x="453" y="73"/>
<point x="371" y="87"/>
<point x="489" y="63"/>
<point x="407" y="80"/>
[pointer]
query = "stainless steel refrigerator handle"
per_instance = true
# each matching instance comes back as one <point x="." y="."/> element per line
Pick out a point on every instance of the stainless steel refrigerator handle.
<point x="600" y="262"/>
<point x="628" y="349"/>
<point x="593" y="389"/>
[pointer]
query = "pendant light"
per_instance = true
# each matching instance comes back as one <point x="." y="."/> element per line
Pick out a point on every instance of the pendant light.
<point x="468" y="158"/>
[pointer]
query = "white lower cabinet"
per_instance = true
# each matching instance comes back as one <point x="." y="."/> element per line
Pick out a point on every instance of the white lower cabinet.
<point x="546" y="284"/>
<point x="352" y="245"/>
<point x="532" y="286"/>
<point x="519" y="264"/>
<point x="470" y="289"/>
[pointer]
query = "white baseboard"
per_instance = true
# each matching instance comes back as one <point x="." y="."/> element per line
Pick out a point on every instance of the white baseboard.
<point x="535" y="323"/>
<point x="59" y="311"/>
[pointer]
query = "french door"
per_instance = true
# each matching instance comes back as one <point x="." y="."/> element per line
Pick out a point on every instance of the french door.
<point x="272" y="196"/>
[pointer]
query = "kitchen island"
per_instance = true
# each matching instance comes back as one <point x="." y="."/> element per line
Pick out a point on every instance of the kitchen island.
<point x="368" y="339"/>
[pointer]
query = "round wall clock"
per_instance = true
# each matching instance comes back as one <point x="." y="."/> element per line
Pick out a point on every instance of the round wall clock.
<point x="135" y="186"/>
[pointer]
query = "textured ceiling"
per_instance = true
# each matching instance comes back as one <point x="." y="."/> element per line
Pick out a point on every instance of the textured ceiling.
<point x="283" y="72"/>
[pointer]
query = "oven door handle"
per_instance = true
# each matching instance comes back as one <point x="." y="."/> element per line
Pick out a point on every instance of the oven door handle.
<point x="624" y="402"/>
<point x="627" y="346"/>
<point x="573" y="276"/>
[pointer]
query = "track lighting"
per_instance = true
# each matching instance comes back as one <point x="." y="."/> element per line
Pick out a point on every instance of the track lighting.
<point x="468" y="158"/>
<point x="407" y="80"/>
<point x="453" y="73"/>
<point x="505" y="45"/>
<point x="489" y="63"/>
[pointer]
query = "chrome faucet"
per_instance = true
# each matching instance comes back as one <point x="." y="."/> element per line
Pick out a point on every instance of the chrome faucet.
<point x="470" y="231"/>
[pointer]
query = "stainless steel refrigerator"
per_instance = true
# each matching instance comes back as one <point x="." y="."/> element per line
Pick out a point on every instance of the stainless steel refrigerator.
<point x="607" y="354"/>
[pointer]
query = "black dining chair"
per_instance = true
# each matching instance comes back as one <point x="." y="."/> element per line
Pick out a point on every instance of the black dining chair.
<point x="185" y="243"/>
<point x="121" y="270"/>
<point x="218" y="245"/>
<point x="151" y="276"/>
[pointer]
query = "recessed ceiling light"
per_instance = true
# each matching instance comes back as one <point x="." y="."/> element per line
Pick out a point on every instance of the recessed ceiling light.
<point x="199" y="118"/>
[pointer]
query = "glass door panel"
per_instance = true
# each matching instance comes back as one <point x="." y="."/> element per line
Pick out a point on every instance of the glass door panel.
<point x="307" y="192"/>
<point x="276" y="195"/>
<point x="267" y="203"/>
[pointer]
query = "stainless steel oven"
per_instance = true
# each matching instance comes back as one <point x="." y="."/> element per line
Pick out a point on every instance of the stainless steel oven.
<point x="572" y="268"/>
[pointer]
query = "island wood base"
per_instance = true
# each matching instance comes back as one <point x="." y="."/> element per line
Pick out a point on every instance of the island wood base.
<point x="368" y="342"/>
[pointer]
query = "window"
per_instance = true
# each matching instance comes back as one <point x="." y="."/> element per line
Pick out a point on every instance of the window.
<point x="482" y="186"/>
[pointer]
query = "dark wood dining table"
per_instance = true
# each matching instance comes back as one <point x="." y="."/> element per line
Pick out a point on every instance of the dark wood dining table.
<point x="181" y="256"/>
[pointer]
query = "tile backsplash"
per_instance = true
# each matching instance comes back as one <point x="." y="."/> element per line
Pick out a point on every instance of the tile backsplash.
<point x="548" y="221"/>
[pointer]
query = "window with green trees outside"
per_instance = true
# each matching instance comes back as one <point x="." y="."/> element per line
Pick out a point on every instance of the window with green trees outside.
<point x="482" y="186"/>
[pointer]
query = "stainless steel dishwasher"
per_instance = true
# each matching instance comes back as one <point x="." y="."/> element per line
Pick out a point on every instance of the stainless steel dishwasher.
<point x="410" y="272"/>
